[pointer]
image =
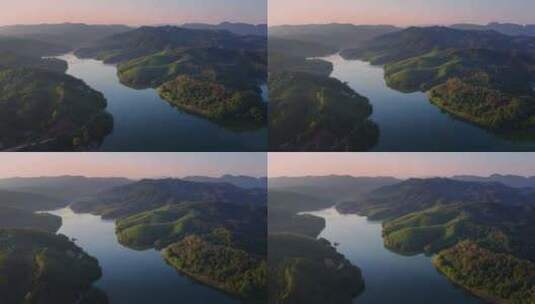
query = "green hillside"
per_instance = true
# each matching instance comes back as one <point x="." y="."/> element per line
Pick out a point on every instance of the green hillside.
<point x="12" y="218"/>
<point x="496" y="277"/>
<point x="306" y="270"/>
<point x="147" y="195"/>
<point x="323" y="113"/>
<point x="221" y="245"/>
<point x="39" y="267"/>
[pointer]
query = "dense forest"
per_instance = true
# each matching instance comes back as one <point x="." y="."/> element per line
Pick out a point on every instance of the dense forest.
<point x="42" y="107"/>
<point x="39" y="266"/>
<point x="323" y="113"/>
<point x="302" y="268"/>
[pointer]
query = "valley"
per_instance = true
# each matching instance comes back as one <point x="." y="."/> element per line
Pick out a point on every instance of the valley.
<point x="207" y="80"/>
<point x="178" y="239"/>
<point x="423" y="84"/>
<point x="440" y="232"/>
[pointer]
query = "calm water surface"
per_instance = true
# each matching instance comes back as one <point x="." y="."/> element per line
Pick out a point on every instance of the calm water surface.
<point x="129" y="276"/>
<point x="389" y="277"/>
<point x="409" y="122"/>
<point x="145" y="122"/>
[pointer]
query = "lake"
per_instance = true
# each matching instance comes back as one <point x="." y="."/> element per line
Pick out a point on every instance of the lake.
<point x="130" y="276"/>
<point x="143" y="122"/>
<point x="389" y="277"/>
<point x="409" y="122"/>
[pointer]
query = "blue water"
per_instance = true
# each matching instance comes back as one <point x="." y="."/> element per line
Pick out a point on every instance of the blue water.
<point x="389" y="277"/>
<point x="410" y="123"/>
<point x="130" y="276"/>
<point x="146" y="123"/>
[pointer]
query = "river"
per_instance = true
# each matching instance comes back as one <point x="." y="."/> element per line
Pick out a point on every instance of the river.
<point x="410" y="123"/>
<point x="143" y="122"/>
<point x="389" y="277"/>
<point x="130" y="276"/>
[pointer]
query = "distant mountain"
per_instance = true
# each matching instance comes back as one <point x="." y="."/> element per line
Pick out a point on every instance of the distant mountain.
<point x="70" y="35"/>
<point x="213" y="74"/>
<point x="334" y="187"/>
<point x="418" y="194"/>
<point x="13" y="218"/>
<point x="151" y="194"/>
<point x="416" y="41"/>
<point x="246" y="182"/>
<point x="504" y="28"/>
<point x="64" y="188"/>
<point x="297" y="48"/>
<point x="30" y="47"/>
<point x="339" y="36"/>
<point x="14" y="60"/>
<point x="148" y="40"/>
<point x="515" y="181"/>
<point x="30" y="201"/>
<point x="236" y="28"/>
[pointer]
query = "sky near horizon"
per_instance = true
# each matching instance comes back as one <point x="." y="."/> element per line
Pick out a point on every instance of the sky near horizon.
<point x="132" y="12"/>
<point x="401" y="12"/>
<point x="401" y="165"/>
<point x="132" y="165"/>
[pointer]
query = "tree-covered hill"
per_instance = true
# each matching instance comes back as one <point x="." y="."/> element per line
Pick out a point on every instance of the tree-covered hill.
<point x="419" y="194"/>
<point x="148" y="40"/>
<point x="29" y="201"/>
<point x="307" y="270"/>
<point x="42" y="107"/>
<point x="323" y="113"/>
<point x="41" y="267"/>
<point x="13" y="218"/>
<point x="151" y="194"/>
<point x="417" y="41"/>
<point x="222" y="245"/>
<point x="28" y="47"/>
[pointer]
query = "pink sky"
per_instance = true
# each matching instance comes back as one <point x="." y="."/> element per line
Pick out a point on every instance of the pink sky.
<point x="132" y="165"/>
<point x="400" y="164"/>
<point x="131" y="12"/>
<point x="400" y="12"/>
